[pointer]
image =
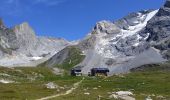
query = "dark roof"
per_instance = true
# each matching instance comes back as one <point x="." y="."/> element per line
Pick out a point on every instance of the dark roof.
<point x="77" y="68"/>
<point x="99" y="69"/>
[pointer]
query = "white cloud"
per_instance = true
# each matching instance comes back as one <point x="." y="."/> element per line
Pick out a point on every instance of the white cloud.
<point x="18" y="7"/>
<point x="49" y="2"/>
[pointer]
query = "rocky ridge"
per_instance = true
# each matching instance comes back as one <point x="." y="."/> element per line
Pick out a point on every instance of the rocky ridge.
<point x="19" y="46"/>
<point x="137" y="39"/>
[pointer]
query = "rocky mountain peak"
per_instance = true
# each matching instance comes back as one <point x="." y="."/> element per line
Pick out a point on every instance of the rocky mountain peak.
<point x="158" y="29"/>
<point x="24" y="28"/>
<point x="25" y="36"/>
<point x="105" y="27"/>
<point x="167" y="3"/>
<point x="158" y="26"/>
<point x="165" y="10"/>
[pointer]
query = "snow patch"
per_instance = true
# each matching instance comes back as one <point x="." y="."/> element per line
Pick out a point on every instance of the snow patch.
<point x="36" y="58"/>
<point x="147" y="36"/>
<point x="136" y="44"/>
<point x="143" y="22"/>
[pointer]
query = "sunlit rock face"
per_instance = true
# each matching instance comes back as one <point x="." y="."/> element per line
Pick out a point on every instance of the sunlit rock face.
<point x="19" y="46"/>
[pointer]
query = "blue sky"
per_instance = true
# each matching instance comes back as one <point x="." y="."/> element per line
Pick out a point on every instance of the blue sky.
<point x="69" y="19"/>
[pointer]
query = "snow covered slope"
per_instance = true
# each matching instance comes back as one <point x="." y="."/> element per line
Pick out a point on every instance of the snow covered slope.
<point x="119" y="46"/>
<point x="109" y="45"/>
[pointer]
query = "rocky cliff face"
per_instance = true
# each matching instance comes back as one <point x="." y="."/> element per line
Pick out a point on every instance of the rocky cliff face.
<point x="8" y="40"/>
<point x="20" y="46"/>
<point x="26" y="38"/>
<point x="158" y="29"/>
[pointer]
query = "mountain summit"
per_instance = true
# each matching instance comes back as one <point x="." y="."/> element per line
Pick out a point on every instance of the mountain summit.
<point x="139" y="38"/>
<point x="20" y="46"/>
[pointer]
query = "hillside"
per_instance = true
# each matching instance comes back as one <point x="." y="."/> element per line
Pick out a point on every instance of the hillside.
<point x="66" y="59"/>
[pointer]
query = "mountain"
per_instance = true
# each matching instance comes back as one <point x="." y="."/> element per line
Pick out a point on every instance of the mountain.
<point x="159" y="29"/>
<point x="19" y="46"/>
<point x="137" y="39"/>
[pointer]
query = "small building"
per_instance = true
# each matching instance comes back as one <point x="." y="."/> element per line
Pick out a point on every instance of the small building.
<point x="76" y="71"/>
<point x="99" y="71"/>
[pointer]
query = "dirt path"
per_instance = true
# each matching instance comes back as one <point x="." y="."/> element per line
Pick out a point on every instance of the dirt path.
<point x="75" y="86"/>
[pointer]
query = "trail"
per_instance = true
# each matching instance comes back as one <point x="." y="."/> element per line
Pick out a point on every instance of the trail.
<point x="75" y="86"/>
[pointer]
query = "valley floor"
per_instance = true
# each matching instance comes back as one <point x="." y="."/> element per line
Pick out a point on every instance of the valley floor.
<point x="40" y="83"/>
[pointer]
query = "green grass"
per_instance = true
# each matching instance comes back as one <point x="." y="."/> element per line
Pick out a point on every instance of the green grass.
<point x="74" y="57"/>
<point x="153" y="79"/>
<point x="31" y="83"/>
<point x="142" y="84"/>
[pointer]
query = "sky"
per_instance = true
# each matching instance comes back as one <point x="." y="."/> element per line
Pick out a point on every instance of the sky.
<point x="69" y="19"/>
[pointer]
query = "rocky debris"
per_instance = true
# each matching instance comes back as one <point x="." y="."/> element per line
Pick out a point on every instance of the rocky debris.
<point x="99" y="86"/>
<point x="160" y="97"/>
<point x="58" y="71"/>
<point x="124" y="95"/>
<point x="148" y="98"/>
<point x="51" y="85"/>
<point x="87" y="93"/>
<point x="95" y="88"/>
<point x="4" y="74"/>
<point x="6" y="81"/>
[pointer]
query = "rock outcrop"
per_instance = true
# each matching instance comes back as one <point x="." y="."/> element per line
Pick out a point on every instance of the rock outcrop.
<point x="26" y="38"/>
<point x="8" y="40"/>
<point x="20" y="46"/>
<point x="158" y="29"/>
